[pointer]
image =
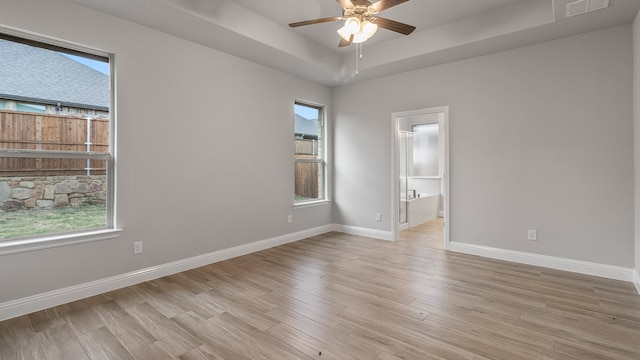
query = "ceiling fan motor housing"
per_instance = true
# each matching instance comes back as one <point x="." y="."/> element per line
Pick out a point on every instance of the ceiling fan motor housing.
<point x="362" y="9"/>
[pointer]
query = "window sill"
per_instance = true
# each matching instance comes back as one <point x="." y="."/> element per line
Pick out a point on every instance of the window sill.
<point x="311" y="204"/>
<point x="9" y="247"/>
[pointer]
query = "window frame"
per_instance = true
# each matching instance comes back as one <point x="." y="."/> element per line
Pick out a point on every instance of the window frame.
<point x="56" y="239"/>
<point x="322" y="153"/>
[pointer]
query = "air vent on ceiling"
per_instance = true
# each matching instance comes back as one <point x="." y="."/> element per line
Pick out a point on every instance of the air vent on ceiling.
<point x="584" y="6"/>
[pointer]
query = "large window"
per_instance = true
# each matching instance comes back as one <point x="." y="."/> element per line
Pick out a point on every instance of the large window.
<point x="56" y="167"/>
<point x="310" y="165"/>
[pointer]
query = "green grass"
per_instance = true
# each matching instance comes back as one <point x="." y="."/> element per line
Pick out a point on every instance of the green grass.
<point x="33" y="222"/>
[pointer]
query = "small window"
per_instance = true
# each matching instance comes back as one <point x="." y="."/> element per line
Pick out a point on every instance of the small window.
<point x="56" y="170"/>
<point x="32" y="108"/>
<point x="2" y="104"/>
<point x="425" y="150"/>
<point x="310" y="164"/>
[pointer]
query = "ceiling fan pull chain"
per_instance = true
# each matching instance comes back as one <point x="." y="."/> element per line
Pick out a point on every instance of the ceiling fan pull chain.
<point x="357" y="59"/>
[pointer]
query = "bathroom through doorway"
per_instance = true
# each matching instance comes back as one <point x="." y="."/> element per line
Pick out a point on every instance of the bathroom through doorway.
<point x="420" y="194"/>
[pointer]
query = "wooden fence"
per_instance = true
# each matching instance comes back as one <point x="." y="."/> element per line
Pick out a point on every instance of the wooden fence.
<point x="305" y="147"/>
<point x="30" y="131"/>
<point x="306" y="173"/>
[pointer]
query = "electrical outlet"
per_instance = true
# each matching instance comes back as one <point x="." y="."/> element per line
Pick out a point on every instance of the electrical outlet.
<point x="532" y="235"/>
<point x="289" y="219"/>
<point x="378" y="217"/>
<point x="137" y="247"/>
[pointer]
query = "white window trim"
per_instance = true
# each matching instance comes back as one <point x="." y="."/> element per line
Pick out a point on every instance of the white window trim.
<point x="324" y="160"/>
<point x="51" y="240"/>
<point x="19" y="245"/>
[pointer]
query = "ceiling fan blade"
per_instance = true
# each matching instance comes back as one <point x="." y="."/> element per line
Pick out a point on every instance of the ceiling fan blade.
<point x="346" y="4"/>
<point x="316" y="21"/>
<point x="385" y="4"/>
<point x="393" y="25"/>
<point x="344" y="42"/>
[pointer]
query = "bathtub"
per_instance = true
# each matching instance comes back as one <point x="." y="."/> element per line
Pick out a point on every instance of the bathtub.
<point x="423" y="208"/>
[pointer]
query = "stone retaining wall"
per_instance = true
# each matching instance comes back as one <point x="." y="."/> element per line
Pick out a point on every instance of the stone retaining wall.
<point x="47" y="192"/>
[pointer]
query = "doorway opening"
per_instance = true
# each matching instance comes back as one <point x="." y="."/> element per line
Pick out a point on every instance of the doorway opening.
<point x="420" y="176"/>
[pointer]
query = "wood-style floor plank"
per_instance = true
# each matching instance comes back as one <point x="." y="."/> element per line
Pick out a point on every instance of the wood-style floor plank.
<point x="347" y="297"/>
<point x="129" y="332"/>
<point x="171" y="336"/>
<point x="62" y="343"/>
<point x="101" y="344"/>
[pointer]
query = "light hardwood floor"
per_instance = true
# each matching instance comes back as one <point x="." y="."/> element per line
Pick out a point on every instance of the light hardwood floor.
<point x="338" y="296"/>
<point x="429" y="234"/>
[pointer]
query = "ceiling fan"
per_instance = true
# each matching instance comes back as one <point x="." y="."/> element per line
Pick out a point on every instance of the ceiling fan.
<point x="361" y="20"/>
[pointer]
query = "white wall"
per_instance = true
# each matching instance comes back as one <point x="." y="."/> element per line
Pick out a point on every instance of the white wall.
<point x="636" y="139"/>
<point x="186" y="115"/>
<point x="540" y="138"/>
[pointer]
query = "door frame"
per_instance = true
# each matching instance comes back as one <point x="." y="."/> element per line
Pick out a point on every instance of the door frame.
<point x="395" y="168"/>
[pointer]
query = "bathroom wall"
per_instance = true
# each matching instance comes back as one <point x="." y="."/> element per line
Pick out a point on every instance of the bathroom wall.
<point x="425" y="187"/>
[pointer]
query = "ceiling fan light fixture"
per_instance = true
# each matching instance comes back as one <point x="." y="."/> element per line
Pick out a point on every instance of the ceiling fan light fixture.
<point x="343" y="33"/>
<point x="361" y="22"/>
<point x="367" y="29"/>
<point x="351" y="26"/>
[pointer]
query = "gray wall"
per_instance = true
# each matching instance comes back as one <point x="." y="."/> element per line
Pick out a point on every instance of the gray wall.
<point x="636" y="134"/>
<point x="540" y="138"/>
<point x="227" y="143"/>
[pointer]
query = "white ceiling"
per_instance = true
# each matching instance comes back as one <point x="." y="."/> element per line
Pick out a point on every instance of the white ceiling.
<point x="423" y="14"/>
<point x="446" y="30"/>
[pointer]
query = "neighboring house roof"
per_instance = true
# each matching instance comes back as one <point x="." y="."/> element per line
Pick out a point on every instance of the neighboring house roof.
<point x="33" y="74"/>
<point x="306" y="126"/>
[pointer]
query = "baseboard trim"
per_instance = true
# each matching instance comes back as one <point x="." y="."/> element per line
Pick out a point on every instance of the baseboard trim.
<point x="577" y="266"/>
<point x="360" y="231"/>
<point x="636" y="280"/>
<point x="49" y="299"/>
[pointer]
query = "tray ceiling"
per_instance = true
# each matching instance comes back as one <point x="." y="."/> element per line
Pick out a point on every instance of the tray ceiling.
<point x="447" y="30"/>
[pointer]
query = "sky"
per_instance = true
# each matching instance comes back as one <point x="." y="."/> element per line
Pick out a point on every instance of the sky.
<point x="96" y="65"/>
<point x="306" y="112"/>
